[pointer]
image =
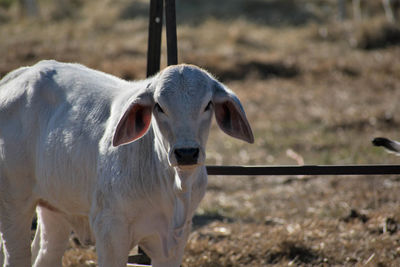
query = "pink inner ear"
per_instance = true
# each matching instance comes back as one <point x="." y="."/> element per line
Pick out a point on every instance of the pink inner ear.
<point x="142" y="121"/>
<point x="233" y="121"/>
<point x="133" y="125"/>
<point x="223" y="116"/>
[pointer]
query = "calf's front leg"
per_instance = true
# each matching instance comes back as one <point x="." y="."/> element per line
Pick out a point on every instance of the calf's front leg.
<point x="112" y="239"/>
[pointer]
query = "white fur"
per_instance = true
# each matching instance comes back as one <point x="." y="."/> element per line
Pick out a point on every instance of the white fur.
<point x="58" y="124"/>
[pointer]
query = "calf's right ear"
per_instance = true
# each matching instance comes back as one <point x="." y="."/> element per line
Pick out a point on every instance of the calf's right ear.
<point x="135" y="122"/>
<point x="230" y="114"/>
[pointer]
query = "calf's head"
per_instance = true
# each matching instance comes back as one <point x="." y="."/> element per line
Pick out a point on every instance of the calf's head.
<point x="181" y="100"/>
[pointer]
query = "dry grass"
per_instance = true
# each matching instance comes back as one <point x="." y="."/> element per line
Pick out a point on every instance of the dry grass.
<point x="320" y="88"/>
<point x="332" y="221"/>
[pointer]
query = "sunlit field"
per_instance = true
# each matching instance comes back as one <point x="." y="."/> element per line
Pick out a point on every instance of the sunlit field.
<point x="316" y="90"/>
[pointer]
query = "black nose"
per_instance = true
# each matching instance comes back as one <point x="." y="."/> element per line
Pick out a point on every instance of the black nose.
<point x="186" y="156"/>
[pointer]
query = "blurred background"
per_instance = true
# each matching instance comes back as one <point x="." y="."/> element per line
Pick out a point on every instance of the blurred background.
<point x="318" y="80"/>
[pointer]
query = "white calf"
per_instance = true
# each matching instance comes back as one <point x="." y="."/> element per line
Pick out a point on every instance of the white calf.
<point x="115" y="161"/>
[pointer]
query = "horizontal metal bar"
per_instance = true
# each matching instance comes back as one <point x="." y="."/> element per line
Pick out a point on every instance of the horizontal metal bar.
<point x="305" y="170"/>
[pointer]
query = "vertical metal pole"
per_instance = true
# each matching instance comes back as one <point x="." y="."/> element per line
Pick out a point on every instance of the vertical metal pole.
<point x="170" y="19"/>
<point x="154" y="42"/>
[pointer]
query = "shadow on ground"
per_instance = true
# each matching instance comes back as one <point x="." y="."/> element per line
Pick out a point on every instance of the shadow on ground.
<point x="205" y="219"/>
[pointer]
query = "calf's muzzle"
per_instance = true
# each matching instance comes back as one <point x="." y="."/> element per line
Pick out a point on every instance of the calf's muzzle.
<point x="187" y="156"/>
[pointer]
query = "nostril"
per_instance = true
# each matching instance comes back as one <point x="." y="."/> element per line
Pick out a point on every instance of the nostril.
<point x="186" y="152"/>
<point x="187" y="156"/>
<point x="196" y="153"/>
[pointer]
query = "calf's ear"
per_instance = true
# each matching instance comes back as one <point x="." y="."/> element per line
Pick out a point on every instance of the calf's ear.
<point x="135" y="122"/>
<point x="230" y="114"/>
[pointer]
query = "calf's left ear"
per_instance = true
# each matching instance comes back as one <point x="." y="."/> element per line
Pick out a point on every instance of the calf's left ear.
<point x="135" y="122"/>
<point x="230" y="114"/>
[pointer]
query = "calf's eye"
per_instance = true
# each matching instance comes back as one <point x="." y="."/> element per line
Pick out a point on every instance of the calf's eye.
<point x="158" y="108"/>
<point x="208" y="107"/>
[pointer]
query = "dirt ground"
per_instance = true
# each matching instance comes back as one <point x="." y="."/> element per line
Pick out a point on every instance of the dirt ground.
<point x="316" y="91"/>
